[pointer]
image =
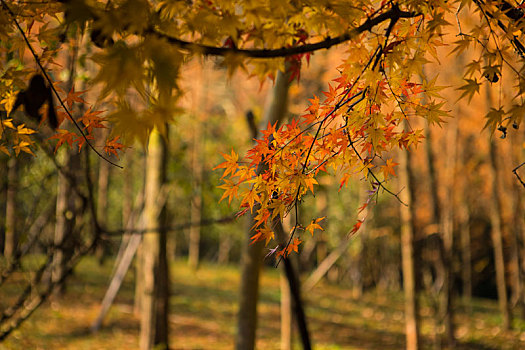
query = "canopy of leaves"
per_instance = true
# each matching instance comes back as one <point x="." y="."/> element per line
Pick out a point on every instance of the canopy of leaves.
<point x="140" y="46"/>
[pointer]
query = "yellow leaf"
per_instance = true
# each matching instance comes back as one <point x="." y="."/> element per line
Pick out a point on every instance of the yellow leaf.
<point x="314" y="225"/>
<point x="22" y="130"/>
<point x="4" y="149"/>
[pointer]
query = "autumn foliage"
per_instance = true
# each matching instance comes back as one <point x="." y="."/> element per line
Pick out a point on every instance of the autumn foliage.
<point x="139" y="47"/>
<point x="348" y="132"/>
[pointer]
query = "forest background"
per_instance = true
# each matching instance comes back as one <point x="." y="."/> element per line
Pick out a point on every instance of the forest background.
<point x="455" y="191"/>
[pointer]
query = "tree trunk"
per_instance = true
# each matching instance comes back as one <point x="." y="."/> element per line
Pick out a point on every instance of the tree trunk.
<point x="407" y="253"/>
<point x="447" y="228"/>
<point x="66" y="214"/>
<point x="442" y="217"/>
<point x="518" y="216"/>
<point x="250" y="268"/>
<point x="11" y="239"/>
<point x="497" y="240"/>
<point x="495" y="208"/>
<point x="225" y="245"/>
<point x="252" y="253"/>
<point x="102" y="203"/>
<point x="66" y="197"/>
<point x="286" y="313"/>
<point x="466" y="254"/>
<point x="155" y="298"/>
<point x="326" y="264"/>
<point x="463" y="218"/>
<point x="139" y="266"/>
<point x="196" y="198"/>
<point x="200" y="103"/>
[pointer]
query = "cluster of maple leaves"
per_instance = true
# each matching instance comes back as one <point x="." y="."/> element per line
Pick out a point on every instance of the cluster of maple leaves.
<point x="140" y="47"/>
<point x="350" y="132"/>
<point x="16" y="135"/>
<point x="74" y="120"/>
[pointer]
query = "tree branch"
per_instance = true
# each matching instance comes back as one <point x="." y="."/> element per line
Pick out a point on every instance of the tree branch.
<point x="393" y="14"/>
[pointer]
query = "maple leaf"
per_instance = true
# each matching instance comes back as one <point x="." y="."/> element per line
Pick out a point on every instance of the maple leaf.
<point x="23" y="130"/>
<point x="293" y="246"/>
<point x="356" y="227"/>
<point x="314" y="225"/>
<point x="73" y="97"/>
<point x="8" y="123"/>
<point x="230" y="190"/>
<point x="9" y="101"/>
<point x="261" y="217"/>
<point x="388" y="168"/>
<point x="23" y="146"/>
<point x="363" y="207"/>
<point x="91" y="120"/>
<point x="469" y="89"/>
<point x="4" y="149"/>
<point x="230" y="165"/>
<point x="113" y="146"/>
<point x="344" y="180"/>
<point x="250" y="198"/>
<point x="64" y="136"/>
<point x="263" y="234"/>
<point x="494" y="118"/>
<point x="81" y="140"/>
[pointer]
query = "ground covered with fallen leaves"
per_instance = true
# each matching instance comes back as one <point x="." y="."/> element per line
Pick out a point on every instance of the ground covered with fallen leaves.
<point x="204" y="307"/>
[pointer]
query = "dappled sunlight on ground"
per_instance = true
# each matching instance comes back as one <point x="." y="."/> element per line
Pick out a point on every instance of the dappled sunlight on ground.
<point x="204" y="308"/>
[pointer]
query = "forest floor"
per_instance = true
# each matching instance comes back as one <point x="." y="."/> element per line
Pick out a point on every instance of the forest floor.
<point x="203" y="315"/>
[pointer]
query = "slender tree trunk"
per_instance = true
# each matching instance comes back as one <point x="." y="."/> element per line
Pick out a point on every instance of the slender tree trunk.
<point x="514" y="235"/>
<point x="442" y="217"/>
<point x="286" y="313"/>
<point x="3" y="176"/>
<point x="519" y="217"/>
<point x="447" y="227"/>
<point x="361" y="241"/>
<point x="225" y="245"/>
<point x="196" y="198"/>
<point x="11" y="239"/>
<point x="252" y="253"/>
<point x="326" y="264"/>
<point x="155" y="298"/>
<point x="197" y="168"/>
<point x="466" y="255"/>
<point x="139" y="281"/>
<point x="139" y="266"/>
<point x="127" y="189"/>
<point x="65" y="208"/>
<point x="250" y="268"/>
<point x="496" y="221"/>
<point x="102" y="203"/>
<point x="294" y="290"/>
<point x="497" y="240"/>
<point x="463" y="218"/>
<point x="407" y="253"/>
<point x="66" y="214"/>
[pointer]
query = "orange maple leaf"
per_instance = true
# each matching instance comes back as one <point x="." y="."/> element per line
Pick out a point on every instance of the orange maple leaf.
<point x="91" y="120"/>
<point x="112" y="146"/>
<point x="388" y="168"/>
<point x="64" y="136"/>
<point x="73" y="96"/>
<point x="293" y="247"/>
<point x="230" y="165"/>
<point x="356" y="227"/>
